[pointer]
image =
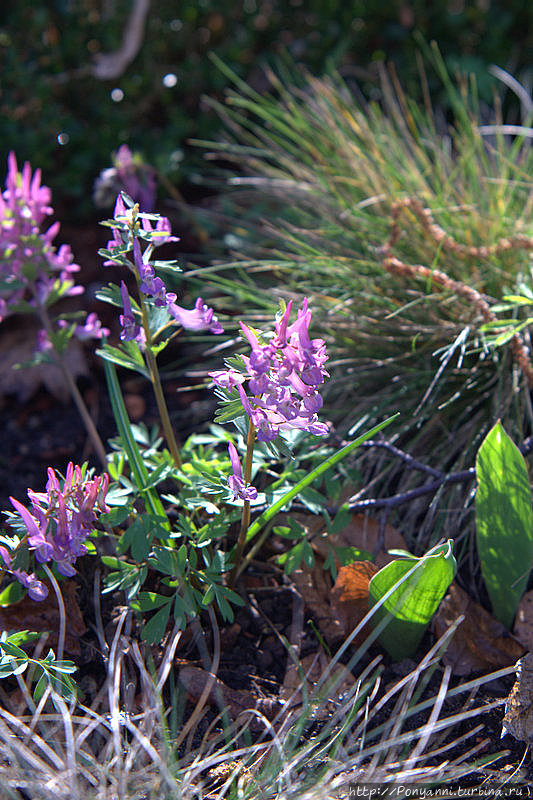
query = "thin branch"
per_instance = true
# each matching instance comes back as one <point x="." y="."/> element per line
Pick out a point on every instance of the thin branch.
<point x="411" y="462"/>
<point x="441" y="479"/>
<point x="443" y="240"/>
<point x="108" y="66"/>
<point x="412" y="494"/>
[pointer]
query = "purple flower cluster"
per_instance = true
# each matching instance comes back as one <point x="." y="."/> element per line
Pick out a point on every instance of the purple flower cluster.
<point x="200" y="318"/>
<point x="121" y="242"/>
<point x="27" y="256"/>
<point x="30" y="266"/>
<point x="283" y="378"/>
<point x="59" y="521"/>
<point x="129" y="174"/>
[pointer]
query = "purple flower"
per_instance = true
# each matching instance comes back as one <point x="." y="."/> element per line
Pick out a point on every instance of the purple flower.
<point x="150" y="284"/>
<point x="42" y="341"/>
<point x="36" y="589"/>
<point x="236" y="482"/>
<point x="283" y="376"/>
<point x="59" y="521"/>
<point x="130" y="174"/>
<point x="37" y="530"/>
<point x="91" y="328"/>
<point x="137" y="178"/>
<point x="227" y="378"/>
<point x="162" y="232"/>
<point x="126" y="238"/>
<point x="200" y="318"/>
<point x="30" y="267"/>
<point x="131" y="331"/>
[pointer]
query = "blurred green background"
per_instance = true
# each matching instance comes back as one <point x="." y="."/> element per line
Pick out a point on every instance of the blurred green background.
<point x="66" y="106"/>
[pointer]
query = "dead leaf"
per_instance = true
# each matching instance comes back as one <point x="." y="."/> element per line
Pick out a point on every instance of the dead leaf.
<point x="315" y="586"/>
<point x="480" y="643"/>
<point x="219" y="775"/>
<point x="364" y="533"/>
<point x="313" y="667"/>
<point x="235" y="701"/>
<point x="335" y="610"/>
<point x="523" y="626"/>
<point x="349" y="596"/>
<point x="18" y="347"/>
<point x="518" y="720"/>
<point x="29" y="615"/>
<point x="339" y="609"/>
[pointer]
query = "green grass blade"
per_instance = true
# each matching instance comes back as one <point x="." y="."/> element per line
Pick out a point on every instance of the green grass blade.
<point x="137" y="465"/>
<point x="312" y="476"/>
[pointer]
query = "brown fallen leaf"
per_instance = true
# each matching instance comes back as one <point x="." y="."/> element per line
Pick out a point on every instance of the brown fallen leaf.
<point x="518" y="720"/>
<point x="523" y="626"/>
<point x="18" y="347"/>
<point x="480" y="643"/>
<point x="337" y="609"/>
<point x="235" y="701"/>
<point x="312" y="668"/>
<point x="363" y="533"/>
<point x="29" y="615"/>
<point x="315" y="585"/>
<point x="349" y="596"/>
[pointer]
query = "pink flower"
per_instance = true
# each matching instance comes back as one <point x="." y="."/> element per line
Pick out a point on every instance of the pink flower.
<point x="236" y="482"/>
<point x="131" y="330"/>
<point x="91" y="328"/>
<point x="59" y="521"/>
<point x="200" y="318"/>
<point x="29" y="263"/>
<point x="283" y="376"/>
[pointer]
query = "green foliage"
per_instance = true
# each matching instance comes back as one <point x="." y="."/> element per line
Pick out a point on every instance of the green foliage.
<point x="504" y="522"/>
<point x="129" y="445"/>
<point x="311" y="476"/>
<point x="185" y="558"/>
<point x="51" y="102"/>
<point x="411" y="590"/>
<point x="48" y="672"/>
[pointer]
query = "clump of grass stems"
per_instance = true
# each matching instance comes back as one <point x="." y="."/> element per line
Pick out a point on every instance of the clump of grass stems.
<point x="113" y="749"/>
<point x="403" y="232"/>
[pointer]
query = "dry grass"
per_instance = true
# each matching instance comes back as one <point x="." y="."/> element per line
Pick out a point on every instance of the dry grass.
<point x="107" y="750"/>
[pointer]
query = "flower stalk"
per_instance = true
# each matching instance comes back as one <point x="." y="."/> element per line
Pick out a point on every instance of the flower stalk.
<point x="158" y="388"/>
<point x="79" y="402"/>
<point x="245" y="519"/>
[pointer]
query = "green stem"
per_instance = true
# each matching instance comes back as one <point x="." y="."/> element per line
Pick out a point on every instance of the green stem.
<point x="74" y="392"/>
<point x="245" y="520"/>
<point x="255" y="547"/>
<point x="158" y="388"/>
<point x="135" y="460"/>
<point x="272" y="510"/>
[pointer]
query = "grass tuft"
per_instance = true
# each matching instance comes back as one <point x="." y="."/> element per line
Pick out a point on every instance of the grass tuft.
<point x="124" y="745"/>
<point x="404" y="232"/>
